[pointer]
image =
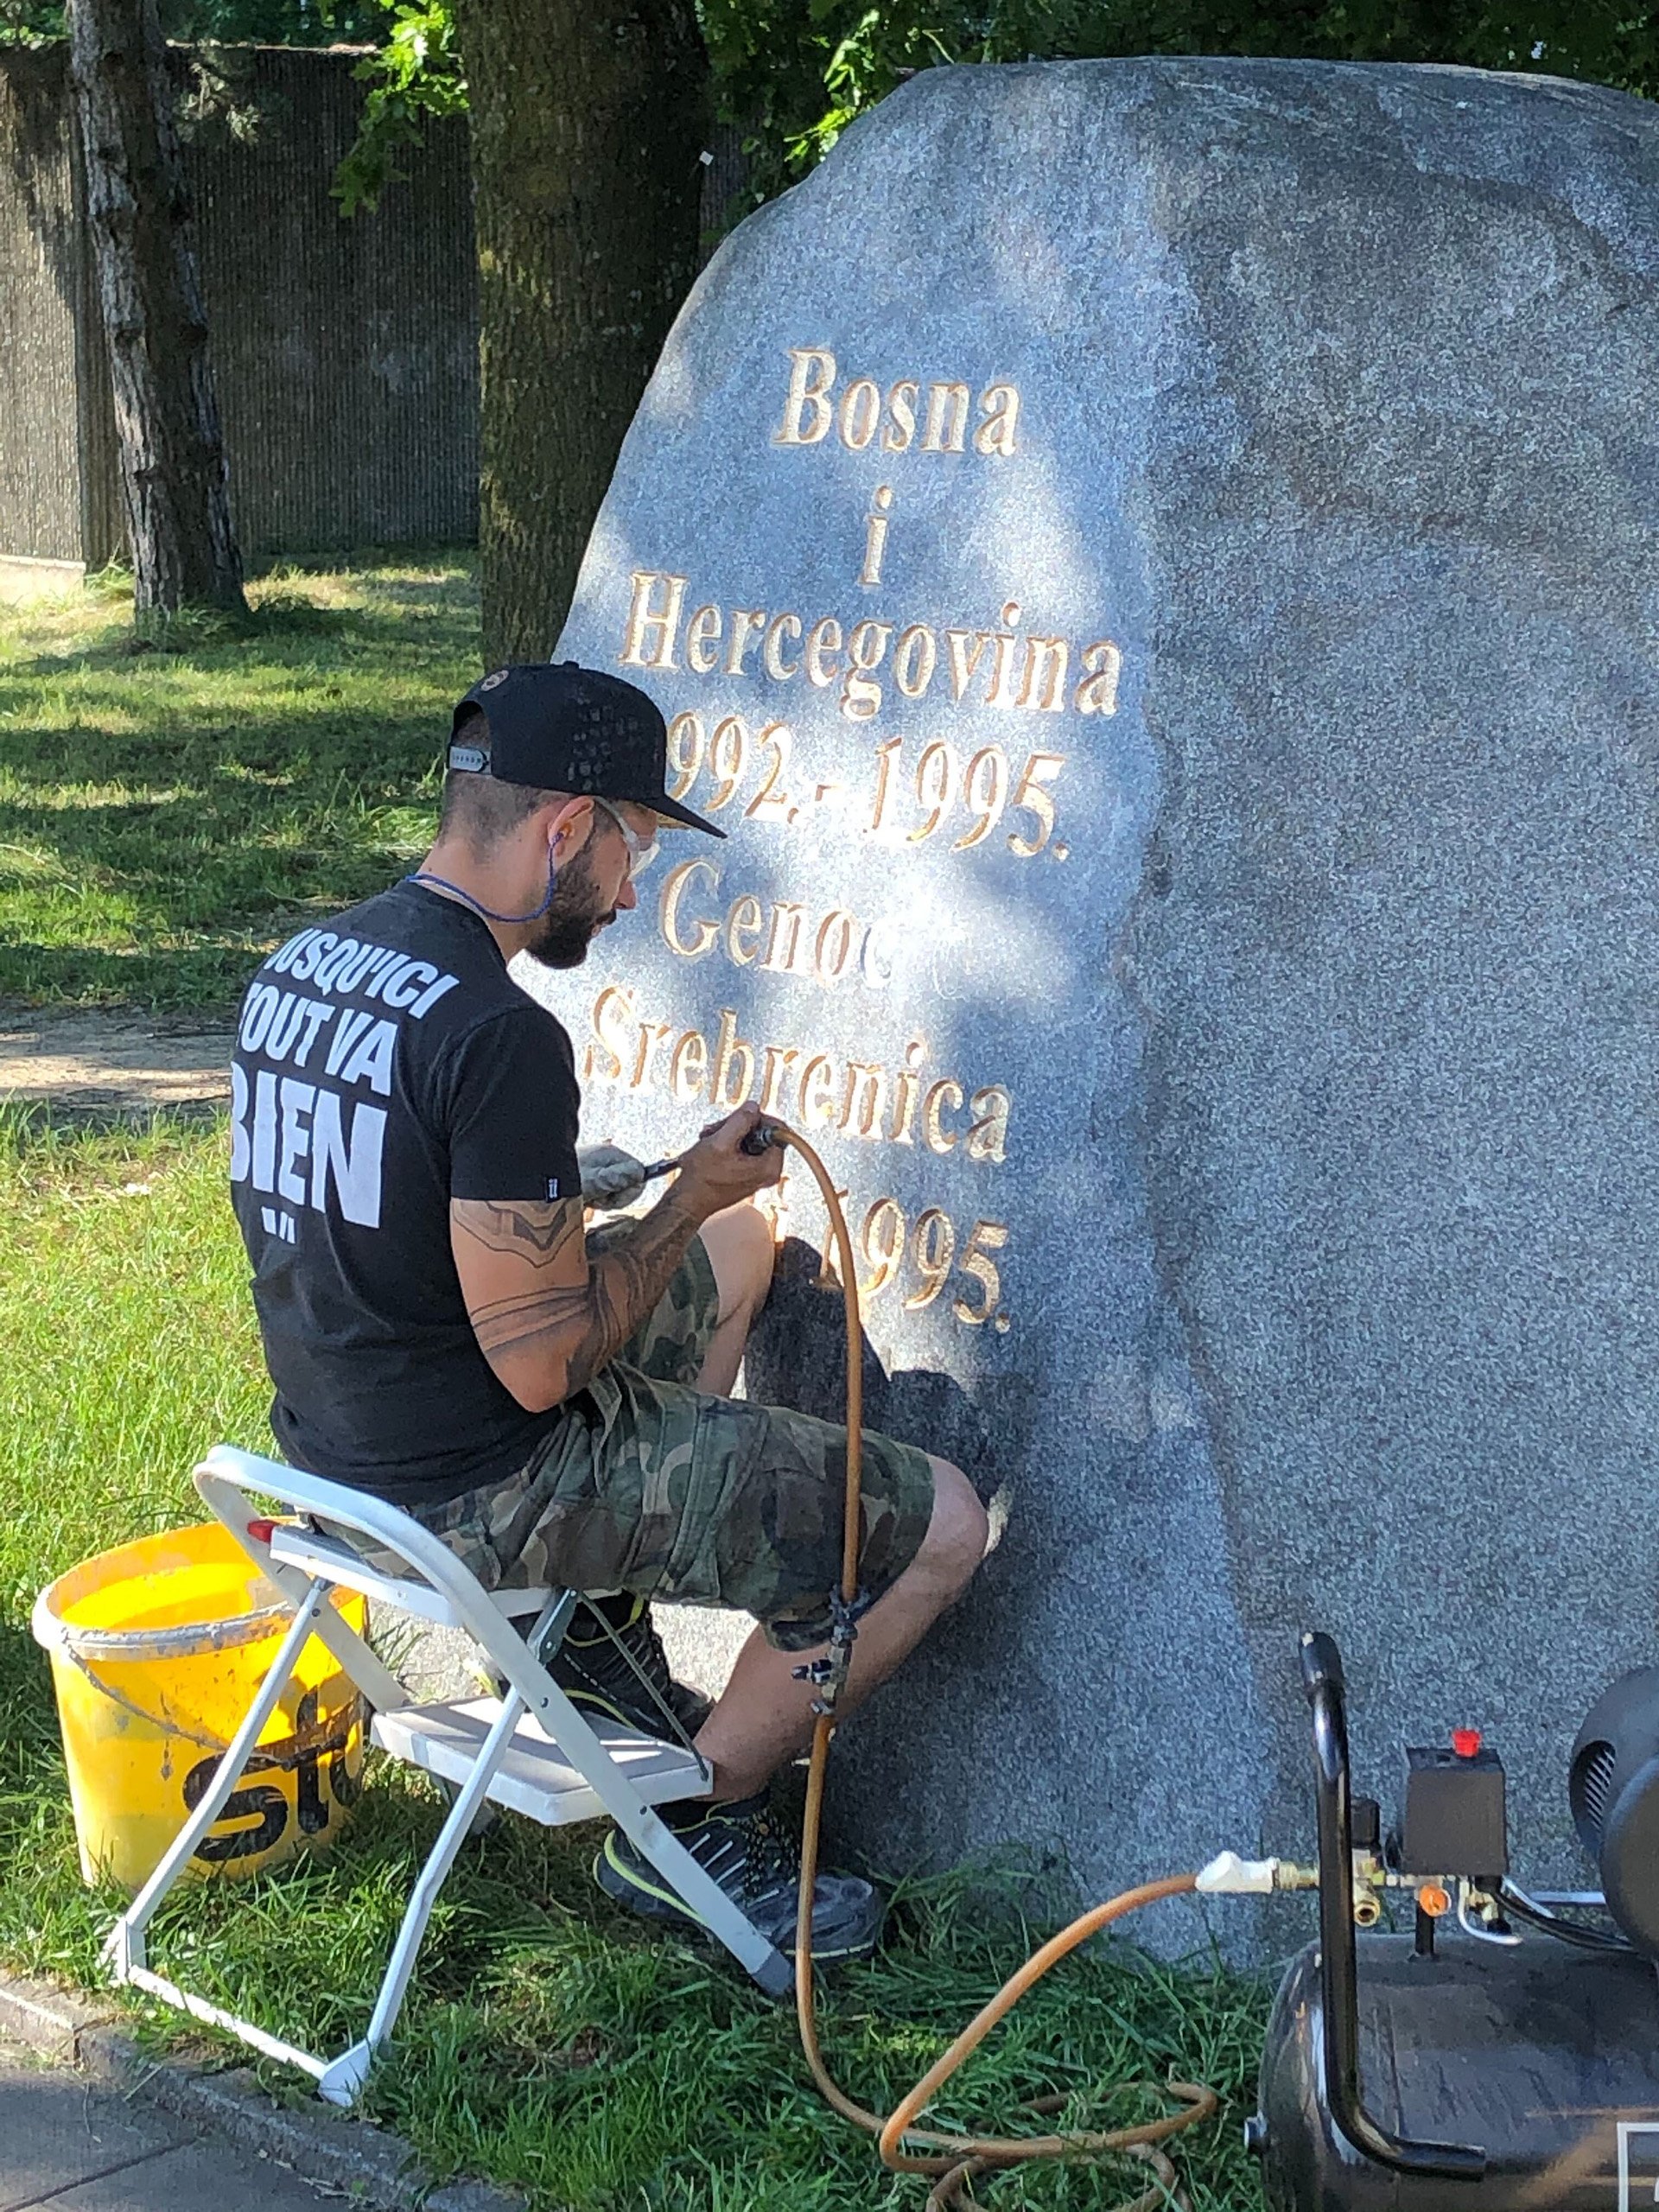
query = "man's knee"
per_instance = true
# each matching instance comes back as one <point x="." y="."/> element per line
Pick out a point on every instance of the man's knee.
<point x="741" y="1252"/>
<point x="958" y="1530"/>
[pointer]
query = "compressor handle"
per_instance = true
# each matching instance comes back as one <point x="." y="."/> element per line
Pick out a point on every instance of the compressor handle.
<point x="1322" y="1680"/>
<point x="1321" y="1664"/>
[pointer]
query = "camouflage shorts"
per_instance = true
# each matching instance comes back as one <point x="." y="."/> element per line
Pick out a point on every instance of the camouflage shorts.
<point x="646" y="1484"/>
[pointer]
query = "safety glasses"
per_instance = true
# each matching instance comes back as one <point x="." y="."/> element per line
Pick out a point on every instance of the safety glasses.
<point x="641" y="850"/>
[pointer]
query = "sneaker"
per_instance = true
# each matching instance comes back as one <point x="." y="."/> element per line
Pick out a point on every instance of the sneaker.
<point x="759" y="1866"/>
<point x="597" y="1678"/>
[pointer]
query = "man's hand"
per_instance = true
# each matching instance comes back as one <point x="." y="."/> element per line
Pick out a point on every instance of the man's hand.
<point x="611" y="1178"/>
<point x="716" y="1173"/>
<point x="546" y="1317"/>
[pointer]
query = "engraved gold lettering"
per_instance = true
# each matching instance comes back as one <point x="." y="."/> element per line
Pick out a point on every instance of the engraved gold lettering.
<point x="780" y="1058"/>
<point x="745" y="620"/>
<point x="862" y="1099"/>
<point x="1031" y="797"/>
<point x="886" y="754"/>
<point x="690" y="1065"/>
<point x="743" y="927"/>
<point x="780" y="947"/>
<point x="875" y="534"/>
<point x="652" y="1035"/>
<point x="806" y="409"/>
<point x="947" y="418"/>
<point x="823" y="638"/>
<point x="816" y="1094"/>
<point x="876" y="972"/>
<point x="834" y="949"/>
<point x="686" y="745"/>
<point x="936" y="768"/>
<point x="902" y="410"/>
<point x="935" y="1134"/>
<point x="883" y="1241"/>
<point x="932" y="1247"/>
<point x="1042" y="685"/>
<point x="772" y="802"/>
<point x="904" y="1090"/>
<point x="642" y="618"/>
<point x="701" y="632"/>
<point x="614" y="1013"/>
<point x="861" y="409"/>
<point x="784" y="625"/>
<point x="1000" y="404"/>
<point x="997" y="693"/>
<point x="989" y="1137"/>
<point x="984" y="1238"/>
<point x="810" y="410"/>
<point x="866" y="649"/>
<point x="984" y="793"/>
<point x="730" y="1051"/>
<point x="729" y="756"/>
<point x="962" y="664"/>
<point x="1097" y="692"/>
<point x="674" y="889"/>
<point x="914" y="660"/>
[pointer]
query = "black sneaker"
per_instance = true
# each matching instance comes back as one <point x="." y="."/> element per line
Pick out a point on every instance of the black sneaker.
<point x="598" y="1680"/>
<point x="759" y="1866"/>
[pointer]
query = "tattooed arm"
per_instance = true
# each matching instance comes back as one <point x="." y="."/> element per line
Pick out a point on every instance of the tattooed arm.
<point x="547" y="1317"/>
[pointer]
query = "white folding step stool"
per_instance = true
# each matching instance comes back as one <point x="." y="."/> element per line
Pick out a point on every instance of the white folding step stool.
<point x="531" y="1750"/>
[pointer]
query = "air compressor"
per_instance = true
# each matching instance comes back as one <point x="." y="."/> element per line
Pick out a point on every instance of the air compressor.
<point x="1510" y="2066"/>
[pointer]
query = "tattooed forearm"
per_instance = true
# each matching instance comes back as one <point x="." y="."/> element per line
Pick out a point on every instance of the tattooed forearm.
<point x="566" y="1330"/>
<point x="629" y="1279"/>
<point x="538" y="1232"/>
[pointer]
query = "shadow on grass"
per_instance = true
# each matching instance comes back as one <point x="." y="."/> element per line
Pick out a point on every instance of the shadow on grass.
<point x="317" y="729"/>
<point x="202" y="843"/>
<point x="218" y="642"/>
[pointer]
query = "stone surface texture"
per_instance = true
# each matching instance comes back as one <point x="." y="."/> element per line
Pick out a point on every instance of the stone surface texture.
<point x="1323" y="1005"/>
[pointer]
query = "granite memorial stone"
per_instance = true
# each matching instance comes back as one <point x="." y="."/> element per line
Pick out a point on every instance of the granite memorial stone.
<point x="1152" y="564"/>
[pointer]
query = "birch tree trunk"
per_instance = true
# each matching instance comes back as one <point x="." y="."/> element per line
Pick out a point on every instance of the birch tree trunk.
<point x="173" y="468"/>
<point x="587" y="118"/>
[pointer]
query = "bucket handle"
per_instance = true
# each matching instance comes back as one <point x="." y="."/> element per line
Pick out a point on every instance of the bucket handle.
<point x="218" y="1745"/>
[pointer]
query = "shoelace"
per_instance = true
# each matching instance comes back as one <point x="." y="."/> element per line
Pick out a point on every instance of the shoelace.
<point x="774" y="1856"/>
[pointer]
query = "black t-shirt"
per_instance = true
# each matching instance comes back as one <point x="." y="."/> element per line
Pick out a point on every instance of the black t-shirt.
<point x="386" y="1063"/>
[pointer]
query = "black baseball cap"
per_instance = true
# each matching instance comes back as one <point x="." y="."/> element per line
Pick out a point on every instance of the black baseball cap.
<point x="560" y="728"/>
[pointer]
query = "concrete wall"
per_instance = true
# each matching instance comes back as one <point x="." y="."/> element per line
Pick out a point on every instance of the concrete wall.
<point x="345" y="352"/>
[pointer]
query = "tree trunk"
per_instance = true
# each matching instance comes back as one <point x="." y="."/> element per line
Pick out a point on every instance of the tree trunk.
<point x="167" y="419"/>
<point x="587" y="121"/>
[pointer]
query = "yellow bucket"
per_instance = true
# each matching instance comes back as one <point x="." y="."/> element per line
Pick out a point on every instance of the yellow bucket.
<point x="158" y="1650"/>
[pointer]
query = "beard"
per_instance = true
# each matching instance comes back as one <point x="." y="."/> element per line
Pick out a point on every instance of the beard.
<point x="572" y="921"/>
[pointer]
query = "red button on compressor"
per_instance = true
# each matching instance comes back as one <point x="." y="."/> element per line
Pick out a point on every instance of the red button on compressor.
<point x="1465" y="1742"/>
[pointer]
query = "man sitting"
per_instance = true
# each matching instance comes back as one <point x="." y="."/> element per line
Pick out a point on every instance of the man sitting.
<point x="443" y="1332"/>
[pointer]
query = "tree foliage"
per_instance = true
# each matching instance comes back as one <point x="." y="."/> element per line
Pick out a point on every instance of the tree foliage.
<point x="218" y="23"/>
<point x="843" y="55"/>
<point x="414" y="77"/>
<point x="791" y="74"/>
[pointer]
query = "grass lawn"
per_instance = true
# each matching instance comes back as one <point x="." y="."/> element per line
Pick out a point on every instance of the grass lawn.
<point x="167" y="814"/>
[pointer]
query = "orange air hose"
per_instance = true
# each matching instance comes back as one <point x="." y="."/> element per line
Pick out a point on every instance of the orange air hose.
<point x="956" y="2157"/>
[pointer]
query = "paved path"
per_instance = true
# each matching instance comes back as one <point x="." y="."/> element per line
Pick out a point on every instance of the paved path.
<point x="73" y="2147"/>
<point x="111" y="1065"/>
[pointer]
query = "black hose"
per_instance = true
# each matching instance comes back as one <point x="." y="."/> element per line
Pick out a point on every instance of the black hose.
<point x="1565" y="1931"/>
